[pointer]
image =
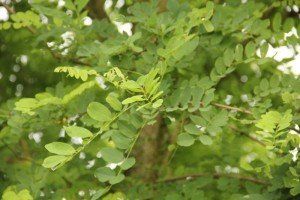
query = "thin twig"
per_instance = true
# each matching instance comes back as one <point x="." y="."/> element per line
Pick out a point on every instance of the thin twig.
<point x="247" y="135"/>
<point x="81" y="148"/>
<point x="232" y="108"/>
<point x="128" y="153"/>
<point x="246" y="112"/>
<point x="16" y="154"/>
<point x="180" y="130"/>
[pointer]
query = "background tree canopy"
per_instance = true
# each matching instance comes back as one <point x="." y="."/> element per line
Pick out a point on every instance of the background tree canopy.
<point x="157" y="99"/>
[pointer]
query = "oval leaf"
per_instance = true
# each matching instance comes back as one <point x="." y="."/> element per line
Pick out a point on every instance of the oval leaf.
<point x="208" y="26"/>
<point x="157" y="103"/>
<point x="75" y="131"/>
<point x="53" y="161"/>
<point x="185" y="140"/>
<point x="60" y="148"/>
<point x="104" y="174"/>
<point x="99" y="112"/>
<point x="112" y="155"/>
<point x="114" y="102"/>
<point x="239" y="51"/>
<point x="206" y="140"/>
<point x="250" y="49"/>
<point x="117" y="179"/>
<point x="132" y="86"/>
<point x="128" y="163"/>
<point x="133" y="99"/>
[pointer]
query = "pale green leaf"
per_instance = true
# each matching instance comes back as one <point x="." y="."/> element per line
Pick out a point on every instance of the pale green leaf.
<point x="131" y="86"/>
<point x="99" y="112"/>
<point x="75" y="131"/>
<point x="264" y="49"/>
<point x="157" y="103"/>
<point x="250" y="49"/>
<point x="228" y="57"/>
<point x="133" y="99"/>
<point x="208" y="26"/>
<point x="60" y="148"/>
<point x="114" y="102"/>
<point x="53" y="161"/>
<point x="239" y="51"/>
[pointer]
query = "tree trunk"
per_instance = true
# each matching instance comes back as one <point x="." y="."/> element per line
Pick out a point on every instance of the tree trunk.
<point x="150" y="151"/>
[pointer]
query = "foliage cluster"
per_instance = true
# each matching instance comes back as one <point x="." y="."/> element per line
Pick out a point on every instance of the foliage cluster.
<point x="159" y="99"/>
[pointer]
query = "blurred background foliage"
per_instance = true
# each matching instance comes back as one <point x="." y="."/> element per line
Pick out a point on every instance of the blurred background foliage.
<point x="230" y="167"/>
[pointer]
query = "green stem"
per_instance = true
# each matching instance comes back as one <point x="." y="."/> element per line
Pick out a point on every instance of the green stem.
<point x="128" y="152"/>
<point x="78" y="150"/>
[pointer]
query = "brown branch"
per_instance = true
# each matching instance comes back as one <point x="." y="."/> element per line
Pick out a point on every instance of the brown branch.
<point x="9" y="9"/>
<point x="16" y="155"/>
<point x="215" y="176"/>
<point x="232" y="108"/>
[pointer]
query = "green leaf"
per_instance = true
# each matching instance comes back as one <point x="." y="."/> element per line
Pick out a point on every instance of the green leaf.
<point x="296" y="189"/>
<point x="112" y="155"/>
<point x="220" y="119"/>
<point x="264" y="49"/>
<point x="99" y="194"/>
<point x="276" y="23"/>
<point x="117" y="179"/>
<point x="184" y="139"/>
<point x="114" y="102"/>
<point x="75" y="131"/>
<point x="133" y="99"/>
<point x="228" y="57"/>
<point x="210" y="5"/>
<point x="192" y="129"/>
<point x="131" y="86"/>
<point x="121" y="141"/>
<point x="128" y="163"/>
<point x="99" y="112"/>
<point x="250" y="49"/>
<point x="206" y="140"/>
<point x="53" y="161"/>
<point x="274" y="120"/>
<point x="127" y="129"/>
<point x="10" y="194"/>
<point x="104" y="174"/>
<point x="264" y="84"/>
<point x="157" y="103"/>
<point x="208" y="97"/>
<point x="60" y="148"/>
<point x="220" y="66"/>
<point x="81" y="4"/>
<point x="285" y="120"/>
<point x="239" y="51"/>
<point x="208" y="26"/>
